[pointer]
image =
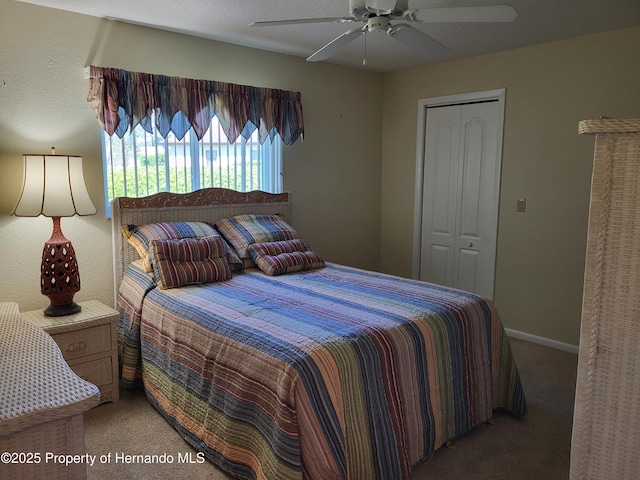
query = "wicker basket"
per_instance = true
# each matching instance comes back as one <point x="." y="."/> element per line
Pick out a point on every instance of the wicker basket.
<point x="606" y="428"/>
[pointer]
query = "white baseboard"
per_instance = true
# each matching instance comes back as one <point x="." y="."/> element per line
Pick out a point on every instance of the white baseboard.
<point x="547" y="342"/>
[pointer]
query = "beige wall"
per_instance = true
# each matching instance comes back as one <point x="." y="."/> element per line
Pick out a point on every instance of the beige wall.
<point x="549" y="89"/>
<point x="352" y="193"/>
<point x="333" y="175"/>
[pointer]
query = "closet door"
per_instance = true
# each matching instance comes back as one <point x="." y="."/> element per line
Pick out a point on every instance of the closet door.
<point x="460" y="196"/>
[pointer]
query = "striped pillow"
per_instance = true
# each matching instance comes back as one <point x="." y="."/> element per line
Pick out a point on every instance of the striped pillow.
<point x="139" y="237"/>
<point x="243" y="230"/>
<point x="276" y="258"/>
<point x="189" y="261"/>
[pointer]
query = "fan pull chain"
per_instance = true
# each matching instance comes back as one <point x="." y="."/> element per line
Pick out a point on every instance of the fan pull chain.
<point x="364" y="60"/>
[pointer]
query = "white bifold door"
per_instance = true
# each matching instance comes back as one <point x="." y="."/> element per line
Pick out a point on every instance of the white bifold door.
<point x="460" y="193"/>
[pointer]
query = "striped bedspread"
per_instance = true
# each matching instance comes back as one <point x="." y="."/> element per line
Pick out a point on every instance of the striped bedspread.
<point x="336" y="373"/>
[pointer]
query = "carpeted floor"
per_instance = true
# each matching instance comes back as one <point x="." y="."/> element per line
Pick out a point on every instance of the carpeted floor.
<point x="532" y="447"/>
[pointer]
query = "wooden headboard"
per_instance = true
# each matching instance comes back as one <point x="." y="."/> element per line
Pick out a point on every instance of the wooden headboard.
<point x="206" y="205"/>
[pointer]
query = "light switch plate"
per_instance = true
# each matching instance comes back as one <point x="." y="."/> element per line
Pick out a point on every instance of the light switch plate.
<point x="521" y="206"/>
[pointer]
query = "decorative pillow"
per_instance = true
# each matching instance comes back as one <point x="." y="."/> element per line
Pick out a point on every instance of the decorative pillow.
<point x="276" y="258"/>
<point x="188" y="261"/>
<point x="235" y="262"/>
<point x="243" y="230"/>
<point x="139" y="237"/>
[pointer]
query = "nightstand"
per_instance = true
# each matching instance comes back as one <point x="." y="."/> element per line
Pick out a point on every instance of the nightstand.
<point x="89" y="343"/>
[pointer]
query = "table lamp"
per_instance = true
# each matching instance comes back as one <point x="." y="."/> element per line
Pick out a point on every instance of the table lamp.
<point x="54" y="186"/>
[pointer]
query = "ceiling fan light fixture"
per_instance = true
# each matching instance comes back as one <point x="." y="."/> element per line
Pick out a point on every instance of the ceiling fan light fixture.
<point x="364" y="9"/>
<point x="381" y="7"/>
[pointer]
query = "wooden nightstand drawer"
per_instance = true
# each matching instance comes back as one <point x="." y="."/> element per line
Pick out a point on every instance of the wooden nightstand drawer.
<point x="99" y="372"/>
<point x="86" y="341"/>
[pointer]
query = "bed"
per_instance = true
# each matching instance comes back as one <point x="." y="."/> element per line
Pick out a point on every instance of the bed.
<point x="311" y="370"/>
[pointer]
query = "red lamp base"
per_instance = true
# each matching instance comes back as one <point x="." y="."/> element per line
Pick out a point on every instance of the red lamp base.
<point x="59" y="276"/>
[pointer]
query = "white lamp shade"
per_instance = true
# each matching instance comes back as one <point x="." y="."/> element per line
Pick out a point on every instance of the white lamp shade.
<point x="54" y="187"/>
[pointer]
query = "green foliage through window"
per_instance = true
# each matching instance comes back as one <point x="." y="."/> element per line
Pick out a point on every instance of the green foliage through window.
<point x="142" y="164"/>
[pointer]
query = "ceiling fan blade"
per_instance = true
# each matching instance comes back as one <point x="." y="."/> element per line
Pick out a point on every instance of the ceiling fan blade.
<point x="298" y="21"/>
<point x="495" y="13"/>
<point x="336" y="44"/>
<point x="381" y="7"/>
<point x="417" y="41"/>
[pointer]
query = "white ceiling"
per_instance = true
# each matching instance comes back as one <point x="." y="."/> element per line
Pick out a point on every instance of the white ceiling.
<point x="228" y="21"/>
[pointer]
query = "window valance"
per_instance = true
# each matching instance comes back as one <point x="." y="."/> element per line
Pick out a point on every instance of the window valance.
<point x="123" y="100"/>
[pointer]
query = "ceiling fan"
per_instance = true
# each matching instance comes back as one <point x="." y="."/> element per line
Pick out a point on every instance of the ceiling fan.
<point x="378" y="16"/>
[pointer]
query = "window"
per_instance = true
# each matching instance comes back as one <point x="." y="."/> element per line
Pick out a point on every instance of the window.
<point x="142" y="164"/>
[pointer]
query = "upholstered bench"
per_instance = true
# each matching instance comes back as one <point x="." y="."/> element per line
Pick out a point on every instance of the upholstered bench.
<point x="41" y="404"/>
